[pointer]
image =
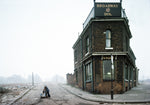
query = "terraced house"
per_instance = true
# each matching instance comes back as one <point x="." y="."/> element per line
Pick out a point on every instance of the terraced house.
<point x="102" y="53"/>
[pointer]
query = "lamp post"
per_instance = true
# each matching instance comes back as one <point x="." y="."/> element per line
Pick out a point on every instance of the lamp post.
<point x="112" y="69"/>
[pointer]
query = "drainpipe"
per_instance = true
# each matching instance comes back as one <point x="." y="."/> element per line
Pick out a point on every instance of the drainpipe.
<point x="84" y="77"/>
<point x="124" y="77"/>
<point x="83" y="71"/>
<point x="112" y="69"/>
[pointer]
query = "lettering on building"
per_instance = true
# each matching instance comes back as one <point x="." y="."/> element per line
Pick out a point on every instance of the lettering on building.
<point x="107" y="5"/>
<point x="108" y="10"/>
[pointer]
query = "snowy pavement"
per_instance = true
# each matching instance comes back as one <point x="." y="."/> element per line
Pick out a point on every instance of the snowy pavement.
<point x="62" y="94"/>
<point x="139" y="94"/>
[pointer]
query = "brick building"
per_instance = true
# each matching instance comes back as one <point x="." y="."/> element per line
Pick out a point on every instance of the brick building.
<point x="102" y="53"/>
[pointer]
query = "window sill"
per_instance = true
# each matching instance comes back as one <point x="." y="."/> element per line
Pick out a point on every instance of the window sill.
<point x="76" y="62"/>
<point x="88" y="81"/>
<point x="108" y="48"/>
<point x="86" y="54"/>
<point x="108" y="80"/>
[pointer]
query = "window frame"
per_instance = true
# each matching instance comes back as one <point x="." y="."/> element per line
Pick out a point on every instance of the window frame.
<point x="105" y="72"/>
<point x="87" y="45"/>
<point x="126" y="72"/>
<point x="88" y="72"/>
<point x="76" y="77"/>
<point x="75" y="56"/>
<point x="108" y="40"/>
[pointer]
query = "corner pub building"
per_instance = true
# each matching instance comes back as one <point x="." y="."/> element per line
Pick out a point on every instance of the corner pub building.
<point x="102" y="53"/>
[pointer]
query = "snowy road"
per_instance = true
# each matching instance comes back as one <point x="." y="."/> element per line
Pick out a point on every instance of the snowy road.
<point x="59" y="96"/>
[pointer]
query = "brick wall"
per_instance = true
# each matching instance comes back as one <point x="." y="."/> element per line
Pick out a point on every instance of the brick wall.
<point x="99" y="38"/>
<point x="71" y="80"/>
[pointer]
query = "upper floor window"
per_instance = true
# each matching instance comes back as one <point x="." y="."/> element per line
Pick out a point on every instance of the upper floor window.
<point x="87" y="44"/>
<point x="75" y="55"/>
<point x="108" y="39"/>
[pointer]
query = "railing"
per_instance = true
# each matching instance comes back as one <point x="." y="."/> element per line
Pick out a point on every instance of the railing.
<point x="123" y="14"/>
<point x="91" y="15"/>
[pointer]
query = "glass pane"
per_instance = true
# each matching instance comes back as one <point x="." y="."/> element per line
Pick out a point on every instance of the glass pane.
<point x="88" y="71"/>
<point x="108" y="43"/>
<point x="108" y="34"/>
<point x="87" y="45"/>
<point x="107" y="69"/>
<point x="87" y="41"/>
<point x="126" y="72"/>
<point x="108" y="38"/>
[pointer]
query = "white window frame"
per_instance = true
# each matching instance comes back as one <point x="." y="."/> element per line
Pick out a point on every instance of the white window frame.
<point x="108" y="40"/>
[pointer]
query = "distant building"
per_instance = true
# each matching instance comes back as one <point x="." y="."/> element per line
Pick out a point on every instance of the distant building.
<point x="102" y="52"/>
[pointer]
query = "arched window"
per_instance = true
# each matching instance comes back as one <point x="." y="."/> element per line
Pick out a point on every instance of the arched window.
<point x="108" y="38"/>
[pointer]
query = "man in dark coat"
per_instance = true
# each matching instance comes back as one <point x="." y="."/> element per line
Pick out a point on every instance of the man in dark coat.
<point x="46" y="91"/>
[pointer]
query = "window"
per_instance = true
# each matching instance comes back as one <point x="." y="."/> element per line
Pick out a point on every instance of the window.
<point x="88" y="69"/>
<point x="131" y="73"/>
<point x="107" y="70"/>
<point x="126" y="71"/>
<point x="108" y="39"/>
<point x="76" y="77"/>
<point x="75" y="55"/>
<point x="87" y="44"/>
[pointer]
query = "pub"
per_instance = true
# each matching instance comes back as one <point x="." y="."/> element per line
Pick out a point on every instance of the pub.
<point x="103" y="58"/>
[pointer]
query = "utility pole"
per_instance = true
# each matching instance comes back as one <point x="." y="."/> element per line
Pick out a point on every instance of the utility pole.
<point x="32" y="79"/>
<point x="112" y="69"/>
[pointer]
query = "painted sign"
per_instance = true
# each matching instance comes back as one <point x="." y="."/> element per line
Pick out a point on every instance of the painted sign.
<point x="107" y="10"/>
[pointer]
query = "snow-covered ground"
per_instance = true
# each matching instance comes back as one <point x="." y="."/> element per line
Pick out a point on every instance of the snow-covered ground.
<point x="14" y="91"/>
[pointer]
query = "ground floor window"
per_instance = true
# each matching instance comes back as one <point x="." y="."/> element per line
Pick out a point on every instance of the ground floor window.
<point x="107" y="70"/>
<point x="131" y="73"/>
<point x="88" y="70"/>
<point x="76" y="77"/>
<point x="126" y="71"/>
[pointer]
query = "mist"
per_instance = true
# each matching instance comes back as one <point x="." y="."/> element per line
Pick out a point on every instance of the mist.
<point x="17" y="79"/>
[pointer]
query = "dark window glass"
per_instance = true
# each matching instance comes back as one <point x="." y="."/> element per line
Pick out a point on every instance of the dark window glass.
<point x="107" y="70"/>
<point x="88" y="72"/>
<point x="76" y="77"/>
<point x="126" y="72"/>
<point x="75" y="55"/>
<point x="87" y="44"/>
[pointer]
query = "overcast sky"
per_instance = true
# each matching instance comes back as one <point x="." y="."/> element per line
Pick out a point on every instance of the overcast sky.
<point x="38" y="35"/>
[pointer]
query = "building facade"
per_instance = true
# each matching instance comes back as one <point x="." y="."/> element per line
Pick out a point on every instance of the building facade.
<point x="102" y="53"/>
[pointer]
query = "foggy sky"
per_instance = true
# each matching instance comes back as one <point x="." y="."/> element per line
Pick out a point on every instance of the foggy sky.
<point x="38" y="35"/>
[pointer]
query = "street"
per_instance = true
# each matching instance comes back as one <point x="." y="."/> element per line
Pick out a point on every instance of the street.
<point x="59" y="96"/>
